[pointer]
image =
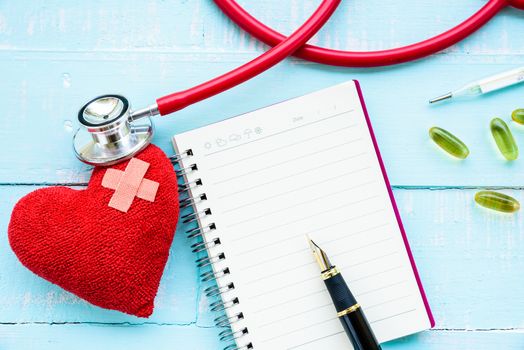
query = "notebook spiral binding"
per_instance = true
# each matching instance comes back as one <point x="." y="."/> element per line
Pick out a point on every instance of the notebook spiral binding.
<point x="200" y="245"/>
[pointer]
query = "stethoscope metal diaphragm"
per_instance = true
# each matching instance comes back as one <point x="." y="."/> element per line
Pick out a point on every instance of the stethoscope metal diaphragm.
<point x="109" y="133"/>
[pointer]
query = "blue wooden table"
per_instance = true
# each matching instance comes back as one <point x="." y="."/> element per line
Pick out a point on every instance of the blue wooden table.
<point x="54" y="55"/>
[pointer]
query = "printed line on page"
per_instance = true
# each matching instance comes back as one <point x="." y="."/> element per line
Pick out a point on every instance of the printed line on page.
<point x="259" y="247"/>
<point x="376" y="274"/>
<point x="330" y="303"/>
<point x="280" y="287"/>
<point x="282" y="271"/>
<point x="332" y="318"/>
<point x="272" y="322"/>
<point x="281" y="132"/>
<point x="251" y="172"/>
<point x="266" y="308"/>
<point x="311" y="232"/>
<point x="335" y="318"/>
<point x="299" y="329"/>
<point x="389" y="301"/>
<point x="299" y="173"/>
<point x="308" y="201"/>
<point x="304" y="218"/>
<point x="314" y="340"/>
<point x="238" y="160"/>
<point x="258" y="263"/>
<point x="392" y="316"/>
<point x="373" y="290"/>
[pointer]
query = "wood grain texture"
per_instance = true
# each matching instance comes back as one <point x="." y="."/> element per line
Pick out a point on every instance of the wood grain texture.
<point x="469" y="259"/>
<point x="54" y="55"/>
<point x="166" y="337"/>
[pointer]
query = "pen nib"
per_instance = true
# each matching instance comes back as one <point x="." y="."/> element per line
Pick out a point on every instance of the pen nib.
<point x="320" y="256"/>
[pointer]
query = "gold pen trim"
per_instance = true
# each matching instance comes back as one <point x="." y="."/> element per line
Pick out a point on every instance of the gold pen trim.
<point x="329" y="273"/>
<point x="348" y="310"/>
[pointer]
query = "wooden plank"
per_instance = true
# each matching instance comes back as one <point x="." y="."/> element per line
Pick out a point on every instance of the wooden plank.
<point x="168" y="337"/>
<point x="48" y="74"/>
<point x="100" y="336"/>
<point x="469" y="260"/>
<point x="510" y="340"/>
<point x="198" y="25"/>
<point x="54" y="56"/>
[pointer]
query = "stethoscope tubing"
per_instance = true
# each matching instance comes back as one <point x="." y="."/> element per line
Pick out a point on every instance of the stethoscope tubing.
<point x="123" y="130"/>
<point x="364" y="59"/>
<point x="118" y="132"/>
<point x="284" y="48"/>
<point x="296" y="44"/>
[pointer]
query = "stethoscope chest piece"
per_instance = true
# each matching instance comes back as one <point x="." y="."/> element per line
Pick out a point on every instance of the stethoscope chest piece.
<point x="108" y="133"/>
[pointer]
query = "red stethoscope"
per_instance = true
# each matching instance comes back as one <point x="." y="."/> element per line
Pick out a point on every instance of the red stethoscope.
<point x="111" y="132"/>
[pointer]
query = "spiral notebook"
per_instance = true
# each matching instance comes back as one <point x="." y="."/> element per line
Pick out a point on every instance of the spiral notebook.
<point x="258" y="184"/>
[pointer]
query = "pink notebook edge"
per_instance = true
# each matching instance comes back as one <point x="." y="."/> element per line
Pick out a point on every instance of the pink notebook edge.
<point x="395" y="208"/>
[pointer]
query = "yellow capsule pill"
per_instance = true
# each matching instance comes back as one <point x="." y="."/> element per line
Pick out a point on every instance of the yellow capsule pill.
<point x="504" y="139"/>
<point x="449" y="142"/>
<point x="497" y="201"/>
<point x="518" y="115"/>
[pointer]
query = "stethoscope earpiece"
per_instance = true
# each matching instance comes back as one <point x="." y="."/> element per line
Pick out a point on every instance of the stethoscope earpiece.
<point x="109" y="132"/>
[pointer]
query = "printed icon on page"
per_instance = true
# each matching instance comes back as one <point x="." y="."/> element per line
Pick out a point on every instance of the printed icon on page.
<point x="258" y="130"/>
<point x="221" y="142"/>
<point x="248" y="133"/>
<point x="208" y="145"/>
<point x="235" y="137"/>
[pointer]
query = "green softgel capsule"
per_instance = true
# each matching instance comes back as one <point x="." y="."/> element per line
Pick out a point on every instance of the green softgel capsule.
<point x="449" y="142"/>
<point x="497" y="201"/>
<point x="518" y="116"/>
<point x="504" y="139"/>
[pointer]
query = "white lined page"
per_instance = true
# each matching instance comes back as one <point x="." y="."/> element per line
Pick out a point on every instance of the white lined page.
<point x="306" y="166"/>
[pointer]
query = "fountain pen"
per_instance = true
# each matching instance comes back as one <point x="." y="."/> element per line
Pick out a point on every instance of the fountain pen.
<point x="348" y="310"/>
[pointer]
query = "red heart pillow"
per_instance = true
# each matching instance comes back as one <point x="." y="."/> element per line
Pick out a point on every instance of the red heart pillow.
<point x="110" y="258"/>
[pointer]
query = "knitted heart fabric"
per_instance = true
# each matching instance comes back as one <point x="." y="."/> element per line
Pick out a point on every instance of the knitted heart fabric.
<point x="110" y="258"/>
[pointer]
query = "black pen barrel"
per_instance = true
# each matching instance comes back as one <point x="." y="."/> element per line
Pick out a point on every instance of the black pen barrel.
<point x="349" y="312"/>
<point x="359" y="331"/>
